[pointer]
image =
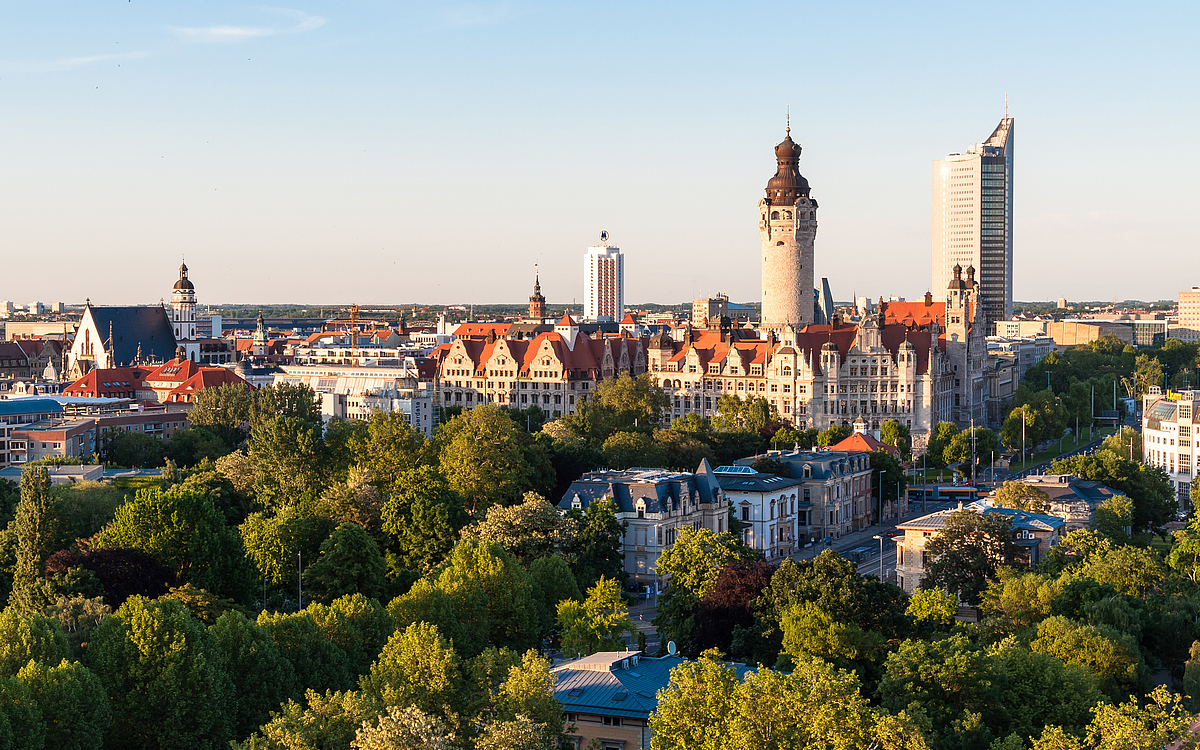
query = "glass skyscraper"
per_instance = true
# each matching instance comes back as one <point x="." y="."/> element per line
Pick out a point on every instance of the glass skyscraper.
<point x="972" y="220"/>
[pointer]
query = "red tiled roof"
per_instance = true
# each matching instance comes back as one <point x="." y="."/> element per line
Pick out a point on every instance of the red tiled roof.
<point x="481" y="329"/>
<point x="866" y="443"/>
<point x="109" y="382"/>
<point x="207" y="377"/>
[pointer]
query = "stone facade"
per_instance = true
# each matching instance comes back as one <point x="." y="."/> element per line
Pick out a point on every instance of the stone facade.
<point x="787" y="227"/>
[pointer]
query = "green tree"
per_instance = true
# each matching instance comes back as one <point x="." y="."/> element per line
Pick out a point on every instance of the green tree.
<point x="262" y="679"/>
<point x="888" y="487"/>
<point x="417" y="668"/>
<point x="553" y="582"/>
<point x="21" y="724"/>
<point x="968" y="550"/>
<point x="287" y="454"/>
<point x="323" y="720"/>
<point x="1133" y="571"/>
<point x="894" y="433"/>
<point x="1022" y="496"/>
<point x="422" y="518"/>
<point x="390" y="449"/>
<point x="935" y="606"/>
<point x="480" y="597"/>
<point x="279" y="543"/>
<point x="625" y="449"/>
<point x="599" y="623"/>
<point x="29" y="637"/>
<point x="295" y="402"/>
<point x="834" y="434"/>
<point x="599" y="544"/>
<point x="225" y="410"/>
<point x="961" y="450"/>
<point x="737" y="415"/>
<point x="121" y="447"/>
<point x="620" y="404"/>
<point x="407" y="728"/>
<point x="482" y="455"/>
<point x="184" y="531"/>
<point x="356" y="500"/>
<point x="34" y="531"/>
<point x="529" y="531"/>
<point x="1039" y="690"/>
<point x="1111" y="656"/>
<point x="808" y="631"/>
<point x="949" y="680"/>
<point x="316" y="660"/>
<point x="357" y="625"/>
<point x="1114" y="518"/>
<point x="940" y="437"/>
<point x="161" y="670"/>
<point x="72" y="702"/>
<point x="350" y="562"/>
<point x="195" y="444"/>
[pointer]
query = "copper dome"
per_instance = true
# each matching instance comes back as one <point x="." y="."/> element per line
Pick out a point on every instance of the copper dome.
<point x="788" y="185"/>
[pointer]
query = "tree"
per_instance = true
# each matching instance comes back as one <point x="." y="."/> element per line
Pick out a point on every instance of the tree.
<point x="261" y="677"/>
<point x="553" y="582"/>
<point x="417" y="668"/>
<point x="29" y="637"/>
<point x="1022" y="496"/>
<point x="625" y="449"/>
<point x="809" y="631"/>
<point x="279" y="543"/>
<point x="161" y="670"/>
<point x="21" y="724"/>
<point x="299" y="403"/>
<point x="72" y="702"/>
<point x="961" y="450"/>
<point x="1149" y="487"/>
<point x="204" y="478"/>
<point x="390" y="450"/>
<point x="329" y="720"/>
<point x="357" y="501"/>
<point x="33" y="528"/>
<point x="968" y="550"/>
<point x="482" y="455"/>
<point x="736" y="415"/>
<point x="1039" y="690"/>
<point x="706" y="707"/>
<point x="349" y="563"/>
<point x="620" y="404"/>
<point x="599" y="623"/>
<point x="195" y="444"/>
<point x="935" y="606"/>
<point x="599" y="544"/>
<point x="480" y="597"/>
<point x="1133" y="571"/>
<point x="727" y="606"/>
<point x="1113" y="518"/>
<point x="287" y="457"/>
<point x="317" y="662"/>
<point x="407" y="728"/>
<point x="422" y="518"/>
<point x="1111" y="656"/>
<point x="225" y="410"/>
<point x="894" y="433"/>
<point x="529" y="531"/>
<point x="359" y="626"/>
<point x="834" y="434"/>
<point x="185" y="532"/>
<point x="949" y="679"/>
<point x="940" y="437"/>
<point x="121" y="447"/>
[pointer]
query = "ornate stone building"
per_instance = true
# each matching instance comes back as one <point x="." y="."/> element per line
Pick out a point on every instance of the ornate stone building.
<point x="787" y="227"/>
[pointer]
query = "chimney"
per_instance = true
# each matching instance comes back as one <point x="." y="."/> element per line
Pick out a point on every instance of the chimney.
<point x="928" y="299"/>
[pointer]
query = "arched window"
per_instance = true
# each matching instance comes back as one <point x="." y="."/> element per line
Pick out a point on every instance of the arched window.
<point x="777" y="244"/>
<point x="787" y="370"/>
<point x="774" y="214"/>
<point x="787" y="214"/>
<point x="808" y="472"/>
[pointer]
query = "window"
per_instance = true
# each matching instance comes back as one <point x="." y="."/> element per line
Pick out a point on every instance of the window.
<point x="746" y="513"/>
<point x="612" y="721"/>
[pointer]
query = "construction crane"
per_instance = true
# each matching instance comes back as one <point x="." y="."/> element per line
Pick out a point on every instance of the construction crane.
<point x="354" y="334"/>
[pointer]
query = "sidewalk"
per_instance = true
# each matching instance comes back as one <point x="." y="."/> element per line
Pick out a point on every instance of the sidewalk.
<point x="865" y="537"/>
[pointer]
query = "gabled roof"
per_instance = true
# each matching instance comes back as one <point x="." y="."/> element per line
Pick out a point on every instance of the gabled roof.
<point x="147" y="326"/>
<point x="208" y="377"/>
<point x="865" y="442"/>
<point x="108" y="382"/>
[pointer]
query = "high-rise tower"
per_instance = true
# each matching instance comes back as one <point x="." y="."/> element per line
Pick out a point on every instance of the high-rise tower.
<point x="183" y="307"/>
<point x="972" y="220"/>
<point x="787" y="226"/>
<point x="604" y="282"/>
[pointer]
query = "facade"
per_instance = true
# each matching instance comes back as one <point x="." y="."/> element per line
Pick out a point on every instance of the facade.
<point x="834" y="496"/>
<point x="348" y="392"/>
<point x="769" y="508"/>
<point x="171" y="383"/>
<point x="608" y="697"/>
<point x="972" y="220"/>
<point x="1169" y="423"/>
<point x="80" y="437"/>
<point x="1067" y="333"/>
<point x="787" y="228"/>
<point x="1072" y="499"/>
<point x="17" y="414"/>
<point x="1036" y="533"/>
<point x="110" y="337"/>
<point x="1189" y="316"/>
<point x="604" y="282"/>
<point x="556" y="370"/>
<point x="1024" y="350"/>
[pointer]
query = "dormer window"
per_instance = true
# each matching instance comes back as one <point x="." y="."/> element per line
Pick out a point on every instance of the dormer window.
<point x="641" y="508"/>
<point x="576" y="503"/>
<point x="808" y="472"/>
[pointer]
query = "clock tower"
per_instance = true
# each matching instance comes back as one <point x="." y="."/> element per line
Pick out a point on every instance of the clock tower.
<point x="183" y="307"/>
<point x="787" y="227"/>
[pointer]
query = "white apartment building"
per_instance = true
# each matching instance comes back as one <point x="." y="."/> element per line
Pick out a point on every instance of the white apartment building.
<point x="604" y="282"/>
<point x="972" y="220"/>
<point x="1188" y="328"/>
<point x="348" y="392"/>
<point x="1169" y="424"/>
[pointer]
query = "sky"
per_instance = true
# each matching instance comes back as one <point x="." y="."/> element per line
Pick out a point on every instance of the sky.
<point x="434" y="152"/>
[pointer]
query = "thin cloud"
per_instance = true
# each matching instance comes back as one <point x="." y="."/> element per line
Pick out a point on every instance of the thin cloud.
<point x="68" y="63"/>
<point x="224" y="34"/>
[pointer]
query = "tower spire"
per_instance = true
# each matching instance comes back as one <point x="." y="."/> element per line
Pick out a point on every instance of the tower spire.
<point x="1005" y="105"/>
<point x="788" y="129"/>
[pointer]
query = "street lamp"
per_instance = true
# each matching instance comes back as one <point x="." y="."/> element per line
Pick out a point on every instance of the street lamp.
<point x="881" y="473"/>
<point x="880" y="538"/>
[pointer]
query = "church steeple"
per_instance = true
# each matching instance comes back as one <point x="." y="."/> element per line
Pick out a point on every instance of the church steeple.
<point x="537" y="303"/>
<point x="183" y="307"/>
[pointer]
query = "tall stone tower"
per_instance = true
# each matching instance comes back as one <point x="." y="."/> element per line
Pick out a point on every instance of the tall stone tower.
<point x="787" y="226"/>
<point x="183" y="307"/>
<point x="537" y="303"/>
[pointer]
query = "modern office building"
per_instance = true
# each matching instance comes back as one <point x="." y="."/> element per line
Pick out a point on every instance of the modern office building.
<point x="1189" y="316"/>
<point x="1169" y="424"/>
<point x="787" y="227"/>
<point x="972" y="220"/>
<point x="604" y="282"/>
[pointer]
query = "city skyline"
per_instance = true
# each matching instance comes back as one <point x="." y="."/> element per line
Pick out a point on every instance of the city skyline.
<point x="277" y="149"/>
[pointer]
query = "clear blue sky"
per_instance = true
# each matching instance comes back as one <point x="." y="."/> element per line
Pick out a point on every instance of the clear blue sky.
<point x="391" y="152"/>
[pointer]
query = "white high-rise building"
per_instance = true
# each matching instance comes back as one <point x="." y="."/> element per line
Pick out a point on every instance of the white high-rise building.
<point x="604" y="282"/>
<point x="972" y="220"/>
<point x="1189" y="315"/>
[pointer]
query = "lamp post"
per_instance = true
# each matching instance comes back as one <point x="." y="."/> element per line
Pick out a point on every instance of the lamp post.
<point x="881" y="473"/>
<point x="880" y="538"/>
